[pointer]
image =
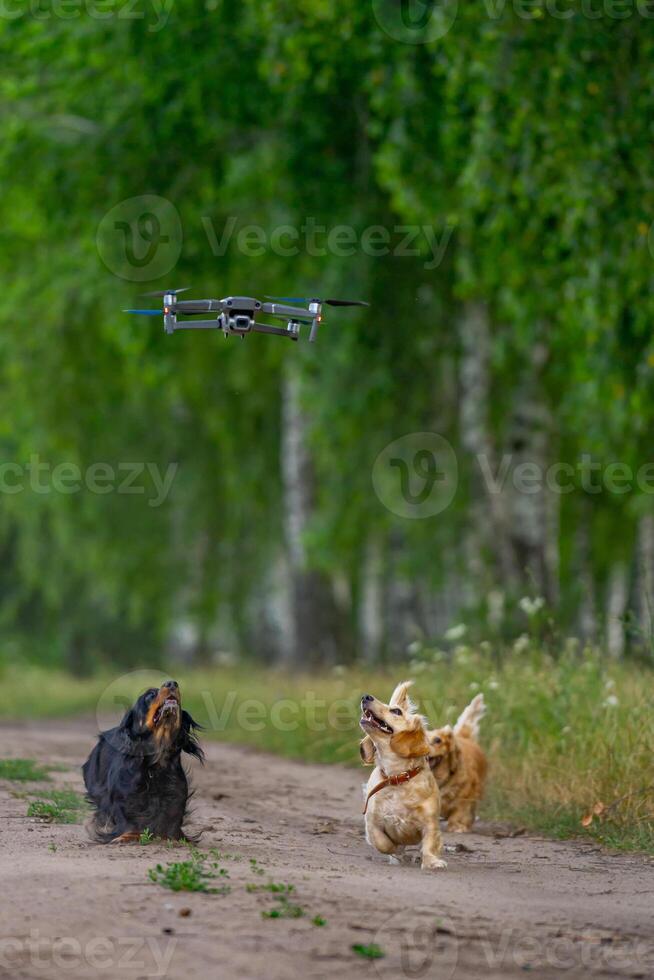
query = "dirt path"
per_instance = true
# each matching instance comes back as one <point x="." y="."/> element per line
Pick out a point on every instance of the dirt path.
<point x="504" y="907"/>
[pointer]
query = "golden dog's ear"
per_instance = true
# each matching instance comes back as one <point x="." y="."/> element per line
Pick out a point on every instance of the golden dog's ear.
<point x="434" y="741"/>
<point x="411" y="744"/>
<point x="400" y="696"/>
<point x="439" y="740"/>
<point x="367" y="751"/>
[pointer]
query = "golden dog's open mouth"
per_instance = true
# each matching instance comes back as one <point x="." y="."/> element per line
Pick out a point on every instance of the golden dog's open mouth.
<point x="370" y="720"/>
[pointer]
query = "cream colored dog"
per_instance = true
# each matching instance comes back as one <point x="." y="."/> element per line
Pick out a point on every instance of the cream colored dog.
<point x="402" y="795"/>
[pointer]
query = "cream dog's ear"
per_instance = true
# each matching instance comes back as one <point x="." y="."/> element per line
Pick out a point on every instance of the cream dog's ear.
<point x="367" y="751"/>
<point x="400" y="697"/>
<point x="411" y="744"/>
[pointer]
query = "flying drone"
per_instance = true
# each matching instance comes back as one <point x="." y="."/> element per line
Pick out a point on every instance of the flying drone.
<point x="238" y="315"/>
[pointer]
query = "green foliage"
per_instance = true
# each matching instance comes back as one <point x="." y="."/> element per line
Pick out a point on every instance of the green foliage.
<point x="528" y="138"/>
<point x="194" y="875"/>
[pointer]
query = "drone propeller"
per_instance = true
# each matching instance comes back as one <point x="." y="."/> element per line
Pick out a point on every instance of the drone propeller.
<point x="160" y="293"/>
<point x="314" y="299"/>
<point x="144" y="312"/>
<point x="345" y="302"/>
<point x="288" y="299"/>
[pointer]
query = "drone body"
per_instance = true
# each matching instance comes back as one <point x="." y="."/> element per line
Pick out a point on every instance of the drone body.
<point x="238" y="315"/>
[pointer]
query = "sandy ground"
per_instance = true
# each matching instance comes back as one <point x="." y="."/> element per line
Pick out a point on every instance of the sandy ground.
<point x="505" y="906"/>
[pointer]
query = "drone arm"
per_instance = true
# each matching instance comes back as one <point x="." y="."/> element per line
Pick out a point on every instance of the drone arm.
<point x="197" y="325"/>
<point x="214" y="325"/>
<point x="292" y="312"/>
<point x="190" y="306"/>
<point x="268" y="328"/>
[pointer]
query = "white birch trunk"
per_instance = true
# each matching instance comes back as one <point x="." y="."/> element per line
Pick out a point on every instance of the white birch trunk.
<point x="618" y="596"/>
<point x="313" y="621"/>
<point x="488" y="523"/>
<point x="645" y="577"/>
<point x="528" y="496"/>
<point x="371" y="607"/>
<point x="587" y="615"/>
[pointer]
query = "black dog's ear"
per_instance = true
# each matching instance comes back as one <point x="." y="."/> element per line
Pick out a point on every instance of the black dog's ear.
<point x="188" y="738"/>
<point x="127" y="724"/>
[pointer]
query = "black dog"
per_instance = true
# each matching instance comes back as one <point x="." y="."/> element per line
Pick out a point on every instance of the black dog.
<point x="134" y="776"/>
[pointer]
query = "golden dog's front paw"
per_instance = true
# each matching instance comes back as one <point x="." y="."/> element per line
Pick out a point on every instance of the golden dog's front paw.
<point x="433" y="864"/>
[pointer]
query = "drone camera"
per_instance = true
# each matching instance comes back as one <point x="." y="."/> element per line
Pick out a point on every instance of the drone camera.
<point x="241" y="323"/>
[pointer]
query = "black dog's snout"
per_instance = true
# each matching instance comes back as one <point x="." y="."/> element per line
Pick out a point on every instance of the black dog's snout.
<point x="173" y="685"/>
<point x="367" y="697"/>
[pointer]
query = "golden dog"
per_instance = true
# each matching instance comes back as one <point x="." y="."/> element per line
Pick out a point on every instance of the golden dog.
<point x="460" y="766"/>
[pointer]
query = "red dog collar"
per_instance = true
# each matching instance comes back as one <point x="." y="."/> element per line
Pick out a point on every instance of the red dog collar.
<point x="402" y="777"/>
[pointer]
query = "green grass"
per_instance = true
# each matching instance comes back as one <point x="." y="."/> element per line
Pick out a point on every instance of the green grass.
<point x="369" y="952"/>
<point x="562" y="733"/>
<point x="198" y="874"/>
<point x="58" y="806"/>
<point x="23" y="770"/>
<point x="283" y="910"/>
<point x="273" y="887"/>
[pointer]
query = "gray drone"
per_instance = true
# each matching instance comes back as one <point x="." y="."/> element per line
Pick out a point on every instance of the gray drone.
<point x="238" y="315"/>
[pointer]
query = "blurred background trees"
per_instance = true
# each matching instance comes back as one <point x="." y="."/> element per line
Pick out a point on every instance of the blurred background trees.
<point x="520" y="330"/>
